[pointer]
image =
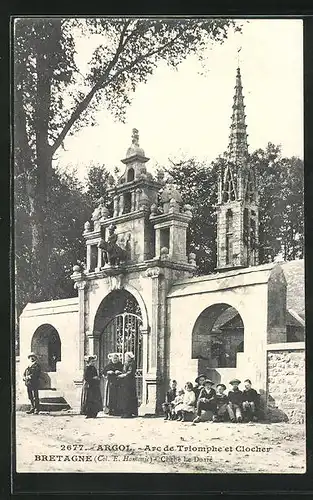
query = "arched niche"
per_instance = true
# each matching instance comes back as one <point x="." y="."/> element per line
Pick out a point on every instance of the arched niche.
<point x="217" y="337"/>
<point x="46" y="343"/>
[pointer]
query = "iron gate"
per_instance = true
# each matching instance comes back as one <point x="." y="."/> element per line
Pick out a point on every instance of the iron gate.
<point x="123" y="334"/>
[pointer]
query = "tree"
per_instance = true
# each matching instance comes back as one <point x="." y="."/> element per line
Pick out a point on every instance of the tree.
<point x="281" y="209"/>
<point x="53" y="99"/>
<point x="197" y="183"/>
<point x="99" y="180"/>
<point x="65" y="235"/>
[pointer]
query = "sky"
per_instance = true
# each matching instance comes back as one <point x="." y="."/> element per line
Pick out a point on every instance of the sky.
<point x="186" y="112"/>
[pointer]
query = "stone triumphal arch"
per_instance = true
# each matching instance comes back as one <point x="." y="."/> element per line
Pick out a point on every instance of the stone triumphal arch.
<point x="138" y="289"/>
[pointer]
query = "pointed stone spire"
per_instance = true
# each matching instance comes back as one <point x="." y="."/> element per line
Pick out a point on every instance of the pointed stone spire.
<point x="238" y="145"/>
<point x="237" y="214"/>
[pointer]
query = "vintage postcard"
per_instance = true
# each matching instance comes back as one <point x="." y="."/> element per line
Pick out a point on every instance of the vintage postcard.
<point x="159" y="245"/>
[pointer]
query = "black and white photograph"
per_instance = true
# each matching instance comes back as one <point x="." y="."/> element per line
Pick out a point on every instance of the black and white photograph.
<point x="159" y="245"/>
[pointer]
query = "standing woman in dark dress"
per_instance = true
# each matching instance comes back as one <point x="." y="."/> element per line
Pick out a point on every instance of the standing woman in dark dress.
<point x="129" y="399"/>
<point x="113" y="385"/>
<point x="91" y="401"/>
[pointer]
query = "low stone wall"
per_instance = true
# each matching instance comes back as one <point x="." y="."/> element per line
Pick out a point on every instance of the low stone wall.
<point x="286" y="382"/>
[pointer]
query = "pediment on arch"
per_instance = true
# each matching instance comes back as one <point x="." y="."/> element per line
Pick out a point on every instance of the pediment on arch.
<point x="50" y="307"/>
<point x="256" y="275"/>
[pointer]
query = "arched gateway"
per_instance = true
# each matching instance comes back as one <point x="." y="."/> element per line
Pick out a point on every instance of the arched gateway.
<point x="133" y="254"/>
<point x="119" y="323"/>
<point x="47" y="344"/>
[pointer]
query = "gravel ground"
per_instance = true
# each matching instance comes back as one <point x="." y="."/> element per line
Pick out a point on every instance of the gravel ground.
<point x="65" y="442"/>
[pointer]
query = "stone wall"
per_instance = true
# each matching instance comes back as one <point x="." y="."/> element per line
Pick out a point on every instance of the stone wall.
<point x="286" y="382"/>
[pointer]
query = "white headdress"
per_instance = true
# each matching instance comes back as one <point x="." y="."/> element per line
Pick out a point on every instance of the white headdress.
<point x="90" y="357"/>
<point x="112" y="354"/>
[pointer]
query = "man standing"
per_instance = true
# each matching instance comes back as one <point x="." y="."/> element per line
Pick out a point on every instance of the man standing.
<point x="31" y="379"/>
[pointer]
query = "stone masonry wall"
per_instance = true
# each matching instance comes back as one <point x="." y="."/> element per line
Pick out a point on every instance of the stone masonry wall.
<point x="286" y="385"/>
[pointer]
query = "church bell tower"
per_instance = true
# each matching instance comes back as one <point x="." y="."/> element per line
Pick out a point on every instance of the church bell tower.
<point x="237" y="210"/>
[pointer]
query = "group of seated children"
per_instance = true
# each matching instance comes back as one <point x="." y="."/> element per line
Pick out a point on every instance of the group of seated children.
<point x="237" y="406"/>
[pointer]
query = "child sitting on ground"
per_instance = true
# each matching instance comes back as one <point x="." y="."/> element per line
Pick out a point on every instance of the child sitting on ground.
<point x="221" y="402"/>
<point x="234" y="406"/>
<point x="167" y="406"/>
<point x="206" y="400"/>
<point x="250" y="404"/>
<point x="188" y="404"/>
<point x="177" y="402"/>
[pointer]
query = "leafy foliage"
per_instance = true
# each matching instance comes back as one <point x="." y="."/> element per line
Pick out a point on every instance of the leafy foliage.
<point x="198" y="186"/>
<point x="281" y="209"/>
<point x="99" y="180"/>
<point x="69" y="207"/>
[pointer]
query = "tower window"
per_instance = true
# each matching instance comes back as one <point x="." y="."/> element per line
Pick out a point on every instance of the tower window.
<point x="130" y="175"/>
<point x="229" y="190"/>
<point x="249" y="189"/>
<point x="127" y="203"/>
<point x="229" y="236"/>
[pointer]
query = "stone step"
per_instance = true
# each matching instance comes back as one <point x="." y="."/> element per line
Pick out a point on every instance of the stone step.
<point x="54" y="406"/>
<point x="51" y="399"/>
<point x="50" y="393"/>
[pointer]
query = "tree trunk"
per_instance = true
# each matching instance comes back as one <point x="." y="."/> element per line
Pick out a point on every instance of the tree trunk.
<point x="35" y="166"/>
<point x="38" y="194"/>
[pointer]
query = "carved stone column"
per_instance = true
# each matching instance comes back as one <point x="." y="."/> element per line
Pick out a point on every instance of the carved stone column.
<point x="138" y="193"/>
<point x="151" y="378"/>
<point x="88" y="260"/>
<point x="121" y="205"/>
<point x="93" y="344"/>
<point x="145" y="351"/>
<point x="81" y="286"/>
<point x="99" y="261"/>
<point x="154" y="273"/>
<point x="115" y="206"/>
<point x="157" y="246"/>
<point x="133" y="201"/>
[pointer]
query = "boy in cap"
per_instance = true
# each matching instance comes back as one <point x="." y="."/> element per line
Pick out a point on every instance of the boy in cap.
<point x="199" y="381"/>
<point x="235" y="401"/>
<point x="221" y="401"/>
<point x="31" y="378"/>
<point x="167" y="406"/>
<point x="206" y="400"/>
<point x="250" y="404"/>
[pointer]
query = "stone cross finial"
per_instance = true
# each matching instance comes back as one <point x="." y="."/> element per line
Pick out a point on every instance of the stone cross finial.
<point x="238" y="56"/>
<point x="135" y="137"/>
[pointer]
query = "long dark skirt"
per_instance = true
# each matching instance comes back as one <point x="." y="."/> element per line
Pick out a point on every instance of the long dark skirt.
<point x="129" y="400"/>
<point x="91" y="401"/>
<point x="113" y="396"/>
